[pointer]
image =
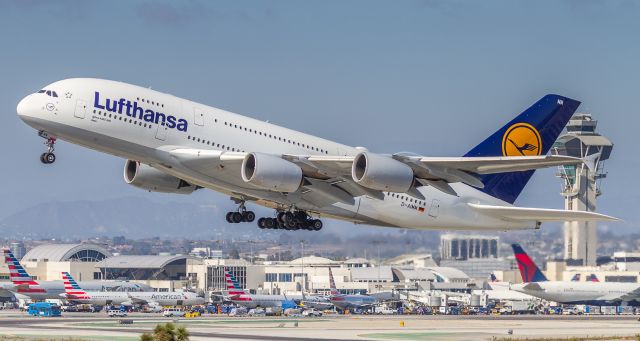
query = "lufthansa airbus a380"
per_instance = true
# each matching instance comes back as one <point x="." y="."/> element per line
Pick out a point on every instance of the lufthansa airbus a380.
<point x="174" y="145"/>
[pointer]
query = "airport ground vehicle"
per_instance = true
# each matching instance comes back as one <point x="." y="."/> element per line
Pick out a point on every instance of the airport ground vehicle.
<point x="238" y="311"/>
<point x="44" y="309"/>
<point x="257" y="312"/>
<point x="312" y="313"/>
<point x="116" y="313"/>
<point x="173" y="312"/>
<point x="384" y="310"/>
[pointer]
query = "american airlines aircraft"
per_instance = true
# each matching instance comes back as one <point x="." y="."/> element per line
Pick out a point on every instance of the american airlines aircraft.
<point x="75" y="293"/>
<point x="592" y="293"/>
<point x="175" y="145"/>
<point x="24" y="284"/>
<point x="345" y="302"/>
<point x="239" y="296"/>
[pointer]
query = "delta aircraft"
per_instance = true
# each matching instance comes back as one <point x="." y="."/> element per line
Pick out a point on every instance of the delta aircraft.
<point x="239" y="296"/>
<point x="591" y="293"/>
<point x="24" y="284"/>
<point x="175" y="145"/>
<point x="74" y="293"/>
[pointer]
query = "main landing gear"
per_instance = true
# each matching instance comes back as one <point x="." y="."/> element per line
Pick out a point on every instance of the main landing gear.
<point x="241" y="215"/>
<point x="296" y="220"/>
<point x="48" y="157"/>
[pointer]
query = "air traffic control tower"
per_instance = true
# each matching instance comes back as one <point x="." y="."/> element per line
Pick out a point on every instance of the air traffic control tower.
<point x="582" y="185"/>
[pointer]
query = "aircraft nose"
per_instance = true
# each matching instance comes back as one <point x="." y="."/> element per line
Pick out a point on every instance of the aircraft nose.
<point x="23" y="106"/>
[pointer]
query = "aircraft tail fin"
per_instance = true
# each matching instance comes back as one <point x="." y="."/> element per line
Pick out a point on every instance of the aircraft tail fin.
<point x="575" y="278"/>
<point x="533" y="132"/>
<point x="593" y="278"/>
<point x="233" y="286"/>
<point x="18" y="275"/>
<point x="332" y="283"/>
<point x="528" y="268"/>
<point x="71" y="287"/>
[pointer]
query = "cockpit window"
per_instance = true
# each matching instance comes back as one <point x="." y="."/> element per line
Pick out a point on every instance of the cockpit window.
<point x="48" y="93"/>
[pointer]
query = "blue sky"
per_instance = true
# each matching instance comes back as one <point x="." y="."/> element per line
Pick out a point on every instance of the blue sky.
<point x="432" y="77"/>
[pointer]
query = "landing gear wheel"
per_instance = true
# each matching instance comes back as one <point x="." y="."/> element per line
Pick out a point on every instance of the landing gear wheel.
<point x="261" y="223"/>
<point x="249" y="216"/>
<point x="317" y="225"/>
<point x="288" y="217"/>
<point x="42" y="159"/>
<point x="230" y="217"/>
<point x="280" y="217"/>
<point x="270" y="223"/>
<point x="50" y="157"/>
<point x="237" y="217"/>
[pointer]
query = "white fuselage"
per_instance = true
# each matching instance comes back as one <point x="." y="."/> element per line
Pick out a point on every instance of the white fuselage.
<point x="53" y="289"/>
<point x="262" y="301"/>
<point x="130" y="298"/>
<point x="102" y="115"/>
<point x="593" y="293"/>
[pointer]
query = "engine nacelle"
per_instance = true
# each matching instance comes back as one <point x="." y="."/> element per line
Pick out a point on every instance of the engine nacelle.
<point x="271" y="173"/>
<point x="153" y="180"/>
<point x="381" y="173"/>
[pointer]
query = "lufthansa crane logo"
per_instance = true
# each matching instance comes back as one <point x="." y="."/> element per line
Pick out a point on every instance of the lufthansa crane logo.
<point x="521" y="139"/>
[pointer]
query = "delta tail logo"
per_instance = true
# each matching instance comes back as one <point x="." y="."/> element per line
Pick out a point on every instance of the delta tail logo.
<point x="521" y="139"/>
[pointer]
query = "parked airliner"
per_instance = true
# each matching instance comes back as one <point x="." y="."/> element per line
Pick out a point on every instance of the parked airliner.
<point x="175" y="145"/>
<point x="24" y="284"/>
<point x="592" y="293"/>
<point x="75" y="293"/>
<point x="239" y="296"/>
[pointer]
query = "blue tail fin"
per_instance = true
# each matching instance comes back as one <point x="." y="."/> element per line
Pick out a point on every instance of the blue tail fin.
<point x="528" y="269"/>
<point x="533" y="132"/>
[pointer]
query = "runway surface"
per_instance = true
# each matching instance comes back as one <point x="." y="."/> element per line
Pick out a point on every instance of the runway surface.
<point x="98" y="326"/>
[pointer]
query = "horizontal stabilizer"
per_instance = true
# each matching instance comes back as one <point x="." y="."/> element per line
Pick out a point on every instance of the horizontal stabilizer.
<point x="532" y="286"/>
<point x="539" y="214"/>
<point x="500" y="164"/>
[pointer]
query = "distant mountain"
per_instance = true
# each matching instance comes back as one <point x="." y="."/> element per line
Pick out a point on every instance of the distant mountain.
<point x="139" y="217"/>
<point x="133" y="217"/>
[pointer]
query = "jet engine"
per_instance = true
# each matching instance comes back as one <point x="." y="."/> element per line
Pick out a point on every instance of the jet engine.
<point x="381" y="173"/>
<point x="154" y="180"/>
<point x="271" y="173"/>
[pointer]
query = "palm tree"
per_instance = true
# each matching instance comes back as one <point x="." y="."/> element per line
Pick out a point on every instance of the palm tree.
<point x="182" y="334"/>
<point x="166" y="332"/>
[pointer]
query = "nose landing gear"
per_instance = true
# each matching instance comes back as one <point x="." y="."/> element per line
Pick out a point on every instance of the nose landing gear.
<point x="48" y="157"/>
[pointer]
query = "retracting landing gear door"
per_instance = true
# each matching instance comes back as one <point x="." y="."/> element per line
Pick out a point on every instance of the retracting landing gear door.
<point x="81" y="108"/>
<point x="161" y="134"/>
<point x="434" y="210"/>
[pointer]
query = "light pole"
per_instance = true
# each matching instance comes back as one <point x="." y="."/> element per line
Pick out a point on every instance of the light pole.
<point x="302" y="264"/>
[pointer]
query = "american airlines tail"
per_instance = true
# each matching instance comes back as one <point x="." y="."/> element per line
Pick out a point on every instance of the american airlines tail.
<point x="72" y="289"/>
<point x="332" y="283"/>
<point x="19" y="276"/>
<point x="232" y="284"/>
<point x="528" y="269"/>
<point x="531" y="133"/>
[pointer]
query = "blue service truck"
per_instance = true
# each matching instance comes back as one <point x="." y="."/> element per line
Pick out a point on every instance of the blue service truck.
<point x="44" y="309"/>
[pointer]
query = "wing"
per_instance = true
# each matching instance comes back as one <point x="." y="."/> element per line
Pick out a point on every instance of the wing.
<point x="511" y="213"/>
<point x="328" y="180"/>
<point x="633" y="295"/>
